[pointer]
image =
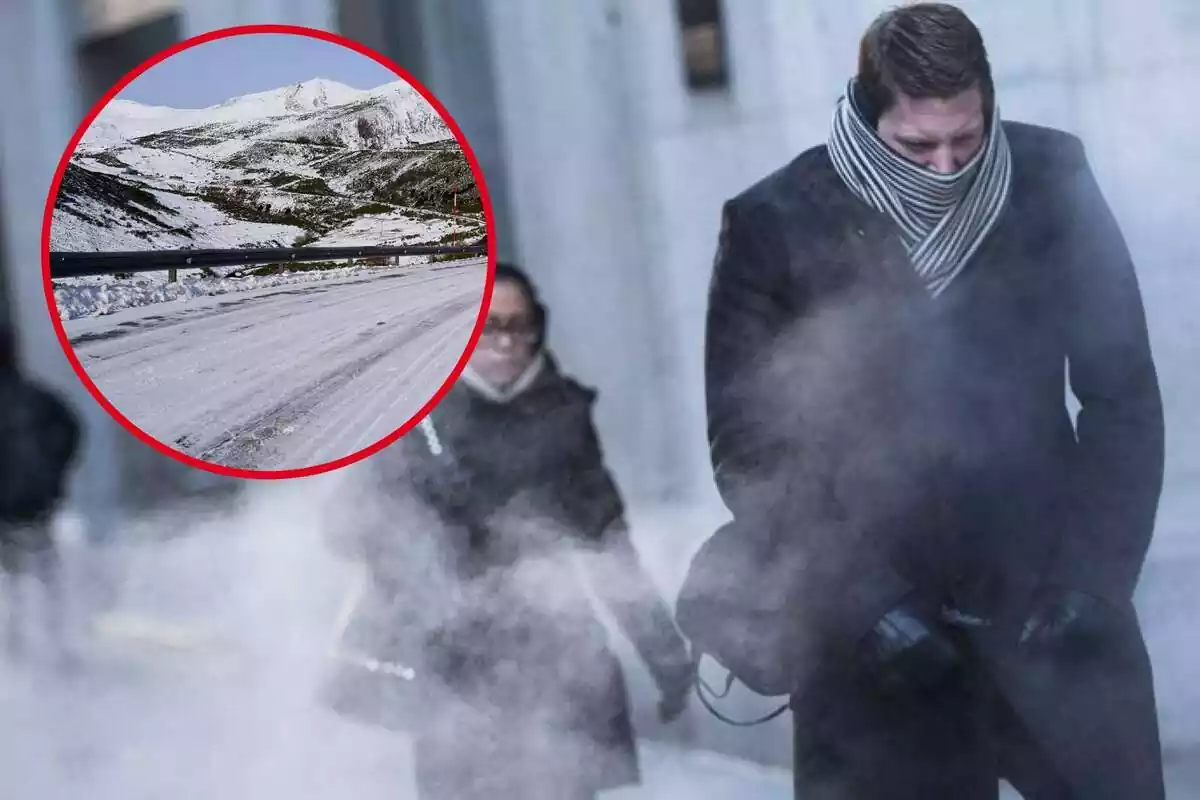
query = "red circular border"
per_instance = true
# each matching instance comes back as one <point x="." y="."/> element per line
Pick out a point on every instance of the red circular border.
<point x="329" y="466"/>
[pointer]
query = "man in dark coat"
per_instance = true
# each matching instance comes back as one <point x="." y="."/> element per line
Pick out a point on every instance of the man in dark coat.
<point x="480" y="519"/>
<point x="935" y="564"/>
<point x="39" y="440"/>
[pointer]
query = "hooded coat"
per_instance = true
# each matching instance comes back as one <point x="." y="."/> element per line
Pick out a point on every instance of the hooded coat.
<point x="491" y="509"/>
<point x="874" y="442"/>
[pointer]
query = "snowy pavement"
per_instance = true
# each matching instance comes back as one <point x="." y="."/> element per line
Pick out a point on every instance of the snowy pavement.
<point x="102" y="295"/>
<point x="204" y="682"/>
<point x="230" y="709"/>
<point x="285" y="377"/>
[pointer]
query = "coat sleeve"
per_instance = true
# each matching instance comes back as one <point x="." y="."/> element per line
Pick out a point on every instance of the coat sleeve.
<point x="1117" y="471"/>
<point x="613" y="569"/>
<point x="394" y="616"/>
<point x="617" y="577"/>
<point x="745" y="316"/>
<point x="401" y="529"/>
<point x="772" y="460"/>
<point x="590" y="498"/>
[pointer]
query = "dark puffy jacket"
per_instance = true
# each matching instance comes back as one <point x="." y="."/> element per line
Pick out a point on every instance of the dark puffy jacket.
<point x="475" y="550"/>
<point x="39" y="438"/>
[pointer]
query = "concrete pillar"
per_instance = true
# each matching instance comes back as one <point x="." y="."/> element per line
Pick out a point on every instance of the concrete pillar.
<point x="40" y="115"/>
<point x="457" y="65"/>
<point x="563" y="98"/>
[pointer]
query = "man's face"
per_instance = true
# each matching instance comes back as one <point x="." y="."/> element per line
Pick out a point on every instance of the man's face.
<point x="942" y="135"/>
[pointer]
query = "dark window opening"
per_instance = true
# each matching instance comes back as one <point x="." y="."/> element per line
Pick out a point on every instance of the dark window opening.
<point x="702" y="35"/>
<point x="104" y="60"/>
<point x="396" y="28"/>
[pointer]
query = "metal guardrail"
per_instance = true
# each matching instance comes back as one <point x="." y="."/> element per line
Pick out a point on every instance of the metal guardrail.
<point x="72" y="264"/>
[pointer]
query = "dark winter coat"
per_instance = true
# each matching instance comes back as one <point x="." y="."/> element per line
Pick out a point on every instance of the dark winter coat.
<point x="39" y="439"/>
<point x="507" y="496"/>
<point x="872" y="441"/>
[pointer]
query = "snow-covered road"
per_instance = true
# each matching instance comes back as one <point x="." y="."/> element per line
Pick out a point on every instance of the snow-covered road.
<point x="289" y="377"/>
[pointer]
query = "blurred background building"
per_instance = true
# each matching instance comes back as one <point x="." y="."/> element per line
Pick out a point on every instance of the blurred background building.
<point x="610" y="133"/>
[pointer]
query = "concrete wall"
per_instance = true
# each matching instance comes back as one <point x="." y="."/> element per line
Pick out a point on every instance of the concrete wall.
<point x="581" y="217"/>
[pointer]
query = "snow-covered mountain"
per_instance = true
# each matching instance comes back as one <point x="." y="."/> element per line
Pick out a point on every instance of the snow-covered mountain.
<point x="394" y="109"/>
<point x="306" y="160"/>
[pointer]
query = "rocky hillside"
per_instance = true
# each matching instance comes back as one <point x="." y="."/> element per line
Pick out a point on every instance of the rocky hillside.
<point x="317" y="162"/>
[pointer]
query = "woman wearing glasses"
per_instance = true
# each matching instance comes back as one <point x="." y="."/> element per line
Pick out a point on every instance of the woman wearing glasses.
<point x="493" y="505"/>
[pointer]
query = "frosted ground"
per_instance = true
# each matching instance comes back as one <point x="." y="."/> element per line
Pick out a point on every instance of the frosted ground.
<point x="200" y="681"/>
<point x="286" y="377"/>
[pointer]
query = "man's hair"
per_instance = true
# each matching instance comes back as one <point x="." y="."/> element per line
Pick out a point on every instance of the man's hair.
<point x="923" y="51"/>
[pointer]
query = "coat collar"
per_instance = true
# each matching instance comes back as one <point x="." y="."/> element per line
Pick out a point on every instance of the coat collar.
<point x="507" y="394"/>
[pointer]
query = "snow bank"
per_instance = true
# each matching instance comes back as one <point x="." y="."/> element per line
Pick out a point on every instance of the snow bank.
<point x="96" y="297"/>
<point x="400" y="229"/>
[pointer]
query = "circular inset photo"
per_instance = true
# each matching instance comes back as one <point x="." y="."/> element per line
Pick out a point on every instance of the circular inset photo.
<point x="267" y="251"/>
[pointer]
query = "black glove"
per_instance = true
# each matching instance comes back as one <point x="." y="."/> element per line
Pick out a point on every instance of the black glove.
<point x="672" y="705"/>
<point x="675" y="693"/>
<point x="906" y="654"/>
<point x="1067" y="622"/>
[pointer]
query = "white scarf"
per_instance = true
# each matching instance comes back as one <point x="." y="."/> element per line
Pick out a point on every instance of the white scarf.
<point x="505" y="394"/>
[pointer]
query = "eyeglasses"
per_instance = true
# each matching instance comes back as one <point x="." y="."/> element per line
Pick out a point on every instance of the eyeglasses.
<point x="519" y="330"/>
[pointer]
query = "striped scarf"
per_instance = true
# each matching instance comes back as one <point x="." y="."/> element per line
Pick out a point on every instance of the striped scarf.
<point x="943" y="218"/>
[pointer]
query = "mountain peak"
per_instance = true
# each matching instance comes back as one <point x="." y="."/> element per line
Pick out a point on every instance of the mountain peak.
<point x="392" y="113"/>
<point x="317" y="93"/>
<point x="299" y="97"/>
<point x="325" y="82"/>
